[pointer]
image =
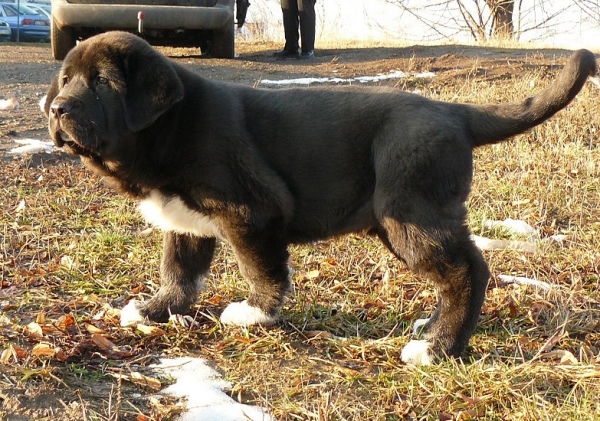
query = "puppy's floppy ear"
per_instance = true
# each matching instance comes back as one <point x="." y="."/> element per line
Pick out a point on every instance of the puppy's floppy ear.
<point x="152" y="87"/>
<point x="52" y="93"/>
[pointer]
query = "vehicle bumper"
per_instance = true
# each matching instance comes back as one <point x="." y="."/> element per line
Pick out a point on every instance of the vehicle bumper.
<point x="33" y="33"/>
<point x="111" y="16"/>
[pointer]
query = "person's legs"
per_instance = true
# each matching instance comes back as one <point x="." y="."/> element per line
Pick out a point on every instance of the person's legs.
<point x="290" y="29"/>
<point x="306" y="11"/>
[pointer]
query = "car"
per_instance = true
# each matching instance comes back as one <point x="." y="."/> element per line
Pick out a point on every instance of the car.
<point x="42" y="9"/>
<point x="5" y="31"/>
<point x="208" y="24"/>
<point x="26" y="24"/>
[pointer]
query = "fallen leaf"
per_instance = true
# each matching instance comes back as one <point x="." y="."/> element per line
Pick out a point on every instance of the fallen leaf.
<point x="150" y="330"/>
<point x="34" y="330"/>
<point x="443" y="416"/>
<point x="20" y="206"/>
<point x="139" y="379"/>
<point x="93" y="329"/>
<point x="137" y="289"/>
<point x="145" y="381"/>
<point x="107" y="311"/>
<point x="551" y="342"/>
<point x="5" y="356"/>
<point x="318" y="334"/>
<point x="13" y="351"/>
<point x="470" y="414"/>
<point x="67" y="262"/>
<point x="65" y="321"/>
<point x="110" y="348"/>
<point x="560" y="354"/>
<point x="215" y="301"/>
<point x="101" y="342"/>
<point x="468" y="399"/>
<point x="47" y="350"/>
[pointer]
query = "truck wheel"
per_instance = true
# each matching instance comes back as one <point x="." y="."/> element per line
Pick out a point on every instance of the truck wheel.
<point x="223" y="43"/>
<point x="62" y="40"/>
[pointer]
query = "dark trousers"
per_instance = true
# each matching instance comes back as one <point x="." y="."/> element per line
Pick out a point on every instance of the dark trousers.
<point x="299" y="14"/>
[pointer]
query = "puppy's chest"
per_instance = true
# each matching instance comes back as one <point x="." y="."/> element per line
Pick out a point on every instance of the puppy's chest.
<point x="170" y="213"/>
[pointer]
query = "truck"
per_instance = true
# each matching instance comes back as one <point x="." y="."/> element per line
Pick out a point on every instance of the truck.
<point x="206" y="24"/>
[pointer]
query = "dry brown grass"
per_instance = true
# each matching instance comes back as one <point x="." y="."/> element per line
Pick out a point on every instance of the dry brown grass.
<point x="75" y="251"/>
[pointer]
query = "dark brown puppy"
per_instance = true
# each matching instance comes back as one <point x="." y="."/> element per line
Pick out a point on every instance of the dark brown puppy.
<point x="265" y="168"/>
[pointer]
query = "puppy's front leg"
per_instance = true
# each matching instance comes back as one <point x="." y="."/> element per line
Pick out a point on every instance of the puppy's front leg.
<point x="263" y="260"/>
<point x="185" y="262"/>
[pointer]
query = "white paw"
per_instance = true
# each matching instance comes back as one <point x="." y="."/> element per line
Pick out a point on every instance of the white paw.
<point x="130" y="314"/>
<point x="241" y="314"/>
<point x="418" y="326"/>
<point x="416" y="352"/>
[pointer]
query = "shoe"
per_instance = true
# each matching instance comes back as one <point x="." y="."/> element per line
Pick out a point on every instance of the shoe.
<point x="286" y="54"/>
<point x="307" y="55"/>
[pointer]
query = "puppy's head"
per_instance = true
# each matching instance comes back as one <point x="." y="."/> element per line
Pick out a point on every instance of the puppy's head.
<point x="109" y="88"/>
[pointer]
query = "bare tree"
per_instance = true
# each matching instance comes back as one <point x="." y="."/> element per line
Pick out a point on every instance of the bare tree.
<point x="490" y="19"/>
<point x="591" y="8"/>
<point x="502" y="17"/>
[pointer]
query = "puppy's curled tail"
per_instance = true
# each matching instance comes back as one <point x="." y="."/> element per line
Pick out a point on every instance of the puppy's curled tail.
<point x="493" y="123"/>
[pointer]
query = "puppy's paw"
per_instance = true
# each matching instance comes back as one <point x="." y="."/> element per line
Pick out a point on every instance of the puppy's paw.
<point x="417" y="352"/>
<point x="131" y="315"/>
<point x="241" y="314"/>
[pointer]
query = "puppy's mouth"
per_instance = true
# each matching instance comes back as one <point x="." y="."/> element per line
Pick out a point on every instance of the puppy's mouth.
<point x="64" y="140"/>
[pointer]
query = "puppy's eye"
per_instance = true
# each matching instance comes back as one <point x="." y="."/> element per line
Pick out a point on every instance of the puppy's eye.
<point x="65" y="80"/>
<point x="102" y="80"/>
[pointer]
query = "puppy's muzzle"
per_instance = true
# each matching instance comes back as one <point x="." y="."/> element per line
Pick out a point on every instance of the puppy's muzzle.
<point x="59" y="108"/>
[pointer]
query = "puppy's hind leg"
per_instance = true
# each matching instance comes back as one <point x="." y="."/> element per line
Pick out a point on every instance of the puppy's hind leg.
<point x="436" y="243"/>
<point x="185" y="263"/>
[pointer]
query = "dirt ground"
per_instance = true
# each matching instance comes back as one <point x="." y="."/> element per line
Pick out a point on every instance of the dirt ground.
<point x="26" y="71"/>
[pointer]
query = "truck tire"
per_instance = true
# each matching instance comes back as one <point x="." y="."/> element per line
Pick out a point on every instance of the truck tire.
<point x="62" y="40"/>
<point x="223" y="43"/>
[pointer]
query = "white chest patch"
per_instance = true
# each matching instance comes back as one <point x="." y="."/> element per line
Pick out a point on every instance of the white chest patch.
<point x="171" y="214"/>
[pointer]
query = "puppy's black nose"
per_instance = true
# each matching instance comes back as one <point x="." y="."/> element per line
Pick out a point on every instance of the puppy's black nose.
<point x="59" y="108"/>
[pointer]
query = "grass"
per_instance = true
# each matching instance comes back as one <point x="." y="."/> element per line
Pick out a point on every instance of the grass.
<point x="74" y="252"/>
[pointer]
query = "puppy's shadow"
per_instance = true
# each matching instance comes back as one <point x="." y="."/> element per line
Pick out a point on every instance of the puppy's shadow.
<point x="40" y="159"/>
<point x="330" y="322"/>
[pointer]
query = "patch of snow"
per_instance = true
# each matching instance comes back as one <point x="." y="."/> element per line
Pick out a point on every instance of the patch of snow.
<point x="203" y="387"/>
<point x="514" y="226"/>
<point x="508" y="279"/>
<point x="489" y="244"/>
<point x="32" y="146"/>
<point x="9" y="104"/>
<point x="394" y="74"/>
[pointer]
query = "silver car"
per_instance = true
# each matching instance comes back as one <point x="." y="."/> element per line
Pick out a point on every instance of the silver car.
<point x="5" y="31"/>
<point x="26" y="24"/>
